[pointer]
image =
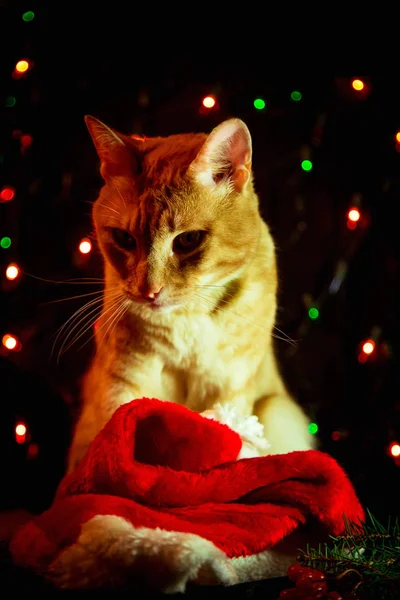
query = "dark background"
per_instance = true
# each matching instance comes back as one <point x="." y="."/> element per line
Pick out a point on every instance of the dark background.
<point x="101" y="63"/>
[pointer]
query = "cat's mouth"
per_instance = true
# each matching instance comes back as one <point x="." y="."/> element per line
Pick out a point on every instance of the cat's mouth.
<point x="156" y="305"/>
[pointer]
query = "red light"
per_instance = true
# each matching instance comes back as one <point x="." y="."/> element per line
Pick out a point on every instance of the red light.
<point x="85" y="246"/>
<point x="336" y="436"/>
<point x="353" y="215"/>
<point x="6" y="194"/>
<point x="26" y="140"/>
<point x="209" y="101"/>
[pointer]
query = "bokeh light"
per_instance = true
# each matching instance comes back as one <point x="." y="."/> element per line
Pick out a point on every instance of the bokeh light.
<point x="5" y="242"/>
<point x="394" y="449"/>
<point x="20" y="429"/>
<point x="368" y="347"/>
<point x="22" y="66"/>
<point x="10" y="342"/>
<point x="353" y="215"/>
<point x="259" y="103"/>
<point x="313" y="428"/>
<point x="7" y="193"/>
<point x="10" y="101"/>
<point x="296" y="96"/>
<point x="306" y="165"/>
<point x="85" y="246"/>
<point x="12" y="271"/>
<point x="209" y="101"/>
<point x="313" y="313"/>
<point x="358" y="85"/>
<point x="28" y="16"/>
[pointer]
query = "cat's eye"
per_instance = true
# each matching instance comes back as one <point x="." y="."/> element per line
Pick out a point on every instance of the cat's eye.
<point x="188" y="241"/>
<point x="123" y="239"/>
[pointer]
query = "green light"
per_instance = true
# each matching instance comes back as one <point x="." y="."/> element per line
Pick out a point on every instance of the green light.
<point x="259" y="103"/>
<point x="5" y="242"/>
<point x="306" y="165"/>
<point x="28" y="16"/>
<point x="296" y="96"/>
<point x="10" y="101"/>
<point x="312" y="428"/>
<point x="313" y="313"/>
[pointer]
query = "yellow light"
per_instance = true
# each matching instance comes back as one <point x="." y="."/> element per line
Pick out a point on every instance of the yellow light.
<point x="22" y="66"/>
<point x="357" y="84"/>
<point x="9" y="341"/>
<point x="20" y="429"/>
<point x="12" y="272"/>
<point x="354" y="215"/>
<point x="368" y="347"/>
<point x="395" y="450"/>
<point x="208" y="101"/>
<point x="85" y="246"/>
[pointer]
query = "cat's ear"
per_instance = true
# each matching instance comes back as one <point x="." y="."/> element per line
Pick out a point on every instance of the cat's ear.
<point x="115" y="157"/>
<point x="226" y="154"/>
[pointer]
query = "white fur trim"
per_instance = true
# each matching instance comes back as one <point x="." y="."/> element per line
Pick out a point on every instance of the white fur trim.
<point x="111" y="553"/>
<point x="249" y="428"/>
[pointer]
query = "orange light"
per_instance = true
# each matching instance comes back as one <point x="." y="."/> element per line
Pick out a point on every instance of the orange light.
<point x="6" y="194"/>
<point x="208" y="101"/>
<point x="398" y="137"/>
<point x="22" y="66"/>
<point x="395" y="449"/>
<point x="353" y="215"/>
<point x="357" y="85"/>
<point x="12" y="272"/>
<point x="20" y="429"/>
<point x="368" y="347"/>
<point x="10" y="341"/>
<point x="85" y="246"/>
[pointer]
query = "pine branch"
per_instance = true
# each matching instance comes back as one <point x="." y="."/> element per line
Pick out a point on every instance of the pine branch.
<point x="368" y="549"/>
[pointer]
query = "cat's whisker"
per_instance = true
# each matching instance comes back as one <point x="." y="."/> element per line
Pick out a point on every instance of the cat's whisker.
<point x="98" y="293"/>
<point x="97" y="303"/>
<point x="109" y="208"/>
<point x="119" y="313"/>
<point x="75" y="281"/>
<point x="287" y="337"/>
<point x="64" y="348"/>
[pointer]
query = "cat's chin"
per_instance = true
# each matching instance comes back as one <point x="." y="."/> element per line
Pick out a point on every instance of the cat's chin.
<point x="156" y="309"/>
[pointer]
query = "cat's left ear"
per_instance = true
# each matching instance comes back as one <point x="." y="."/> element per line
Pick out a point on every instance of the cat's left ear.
<point x="226" y="154"/>
<point x="115" y="156"/>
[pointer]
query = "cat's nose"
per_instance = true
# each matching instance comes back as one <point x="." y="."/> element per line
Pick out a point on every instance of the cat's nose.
<point x="152" y="292"/>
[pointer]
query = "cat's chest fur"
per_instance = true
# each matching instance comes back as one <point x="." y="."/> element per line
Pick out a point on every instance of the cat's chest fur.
<point x="192" y="358"/>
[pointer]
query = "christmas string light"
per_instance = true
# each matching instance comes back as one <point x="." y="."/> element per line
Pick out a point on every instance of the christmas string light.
<point x="20" y="433"/>
<point x="85" y="246"/>
<point x="358" y="85"/>
<point x="12" y="272"/>
<point x="209" y="102"/>
<point x="259" y="104"/>
<point x="7" y="194"/>
<point x="11" y="342"/>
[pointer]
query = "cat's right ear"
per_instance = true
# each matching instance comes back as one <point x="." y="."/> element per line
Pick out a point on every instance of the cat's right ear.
<point x="115" y="157"/>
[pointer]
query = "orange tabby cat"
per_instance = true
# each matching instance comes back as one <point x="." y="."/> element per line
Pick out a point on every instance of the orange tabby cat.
<point x="190" y="284"/>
